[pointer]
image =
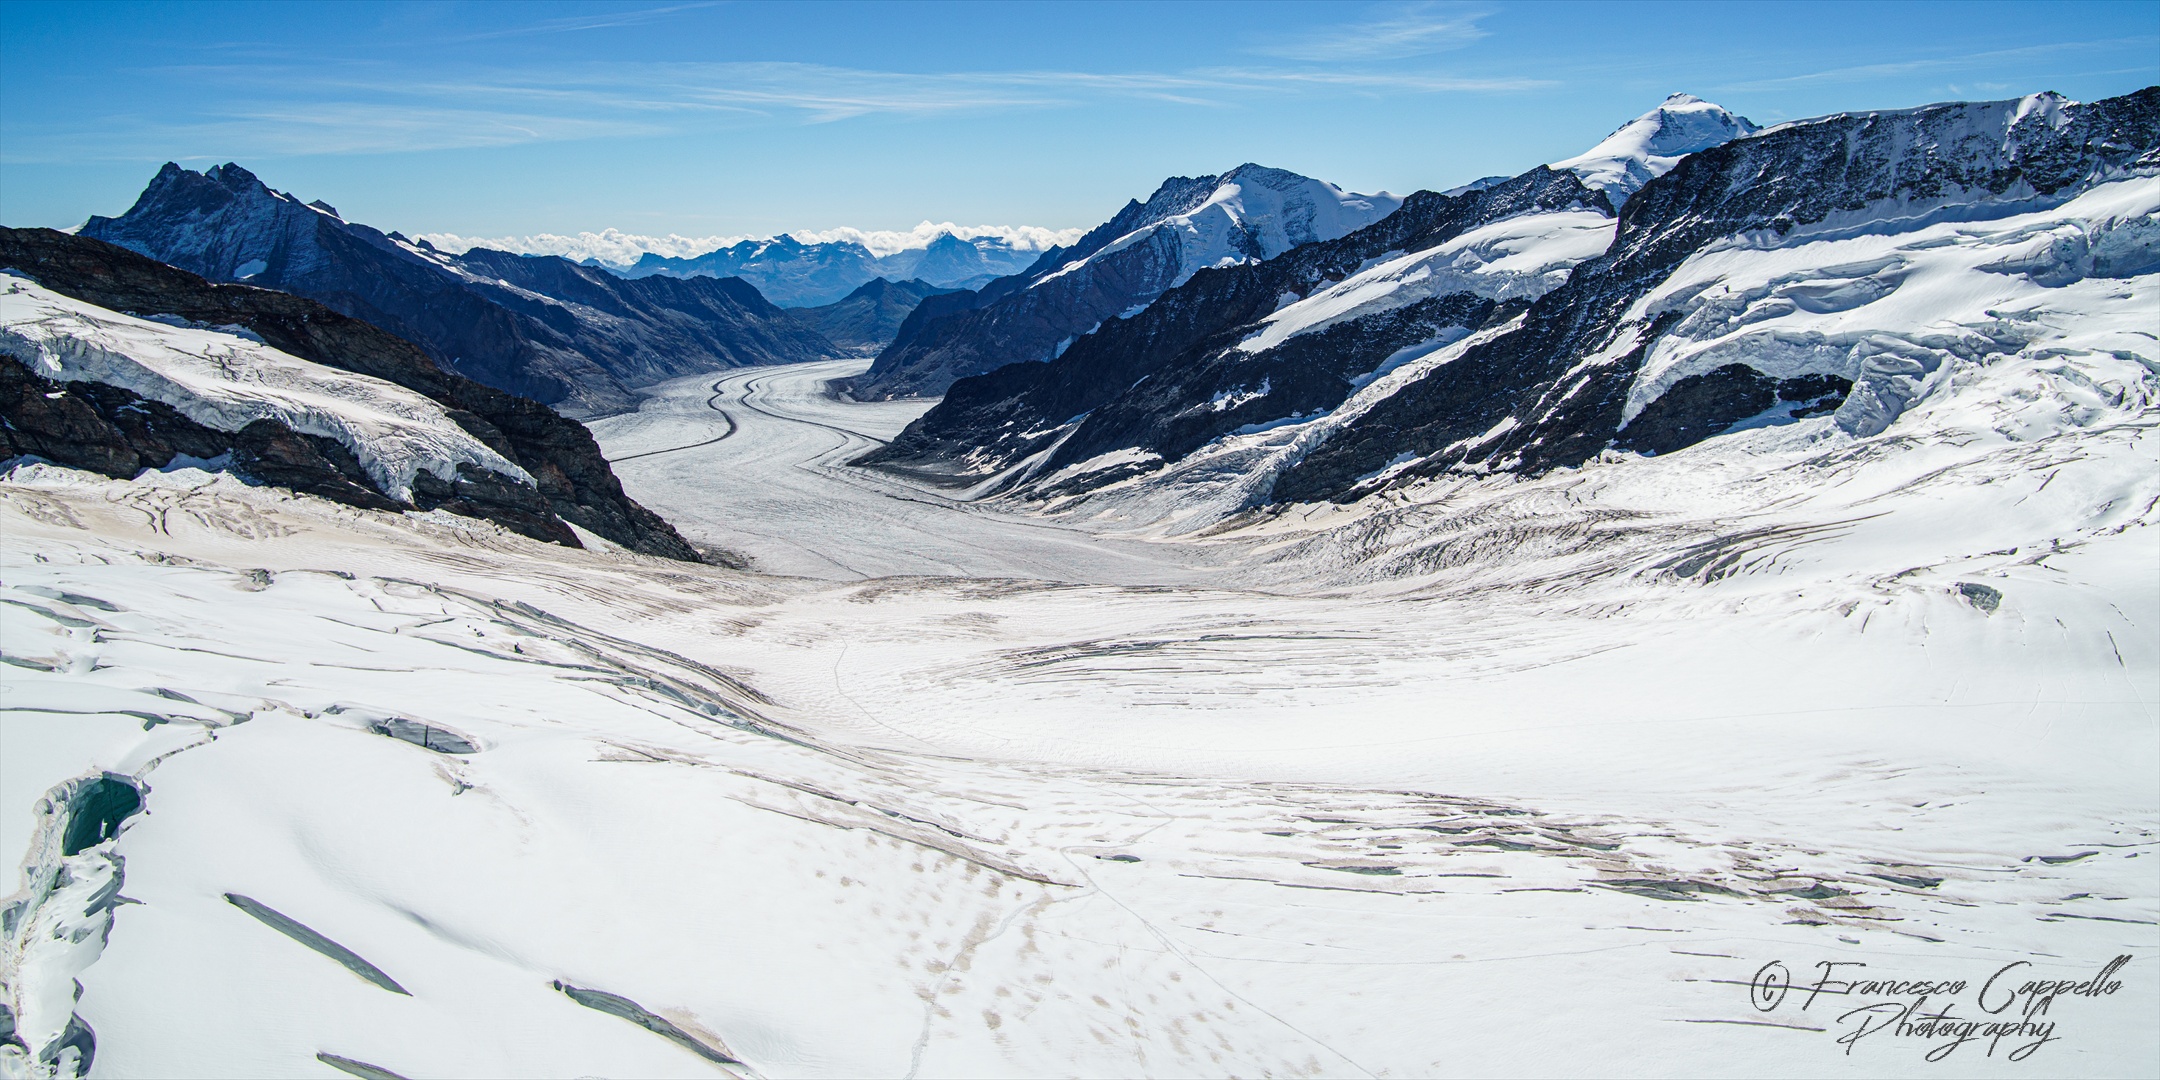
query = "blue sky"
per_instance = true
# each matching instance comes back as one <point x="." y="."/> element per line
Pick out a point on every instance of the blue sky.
<point x="731" y="118"/>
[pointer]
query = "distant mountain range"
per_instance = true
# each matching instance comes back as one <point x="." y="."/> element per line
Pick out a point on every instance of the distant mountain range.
<point x="1689" y="276"/>
<point x="1250" y="213"/>
<point x="571" y="336"/>
<point x="795" y="274"/>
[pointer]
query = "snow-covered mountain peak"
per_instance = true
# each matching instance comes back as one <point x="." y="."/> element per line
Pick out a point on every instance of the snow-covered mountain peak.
<point x="1651" y="144"/>
<point x="1251" y="212"/>
<point x="2046" y="103"/>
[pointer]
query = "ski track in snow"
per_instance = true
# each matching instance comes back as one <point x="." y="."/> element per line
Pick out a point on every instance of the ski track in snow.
<point x="951" y="791"/>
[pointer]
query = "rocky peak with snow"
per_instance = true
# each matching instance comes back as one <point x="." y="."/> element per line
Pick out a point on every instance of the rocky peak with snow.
<point x="1649" y="145"/>
<point x="1249" y="345"/>
<point x="565" y="335"/>
<point x="1249" y="214"/>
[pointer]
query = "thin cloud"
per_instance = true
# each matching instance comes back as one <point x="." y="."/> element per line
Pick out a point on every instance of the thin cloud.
<point x="1935" y="65"/>
<point x="1416" y="30"/>
<point x="823" y="94"/>
<point x="574" y="24"/>
<point x="336" y="128"/>
<point x="377" y="108"/>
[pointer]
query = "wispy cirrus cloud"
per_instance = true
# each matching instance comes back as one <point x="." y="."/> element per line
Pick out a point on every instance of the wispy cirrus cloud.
<point x="381" y="108"/>
<point x="577" y="23"/>
<point x="296" y="130"/>
<point x="1386" y="33"/>
<point x="817" y="93"/>
<point x="1941" y="65"/>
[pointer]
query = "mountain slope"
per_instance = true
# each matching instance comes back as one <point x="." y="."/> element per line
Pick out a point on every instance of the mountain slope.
<point x="868" y="318"/>
<point x="1250" y="213"/>
<point x="543" y="327"/>
<point x="1564" y="387"/>
<point x="556" y="455"/>
<point x="1256" y="343"/>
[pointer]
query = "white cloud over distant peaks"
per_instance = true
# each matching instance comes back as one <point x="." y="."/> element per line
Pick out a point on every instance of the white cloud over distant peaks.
<point x="615" y="247"/>
<point x="887" y="241"/>
<point x="608" y="245"/>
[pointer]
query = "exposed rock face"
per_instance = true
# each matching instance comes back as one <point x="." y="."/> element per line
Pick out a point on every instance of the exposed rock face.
<point x="794" y="274"/>
<point x="107" y="430"/>
<point x="1247" y="214"/>
<point x="1172" y="377"/>
<point x="543" y="327"/>
<point x="1700" y="406"/>
<point x="111" y="430"/>
<point x="1553" y="371"/>
<point x="867" y="319"/>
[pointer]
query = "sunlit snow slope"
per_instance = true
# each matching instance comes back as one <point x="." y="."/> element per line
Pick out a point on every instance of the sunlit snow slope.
<point x="1648" y="146"/>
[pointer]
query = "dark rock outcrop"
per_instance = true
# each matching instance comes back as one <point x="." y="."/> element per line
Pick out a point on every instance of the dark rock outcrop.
<point x="542" y="327"/>
<point x="1700" y="406"/>
<point x="574" y="482"/>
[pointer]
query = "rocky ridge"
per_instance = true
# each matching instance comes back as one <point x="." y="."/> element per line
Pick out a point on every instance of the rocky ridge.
<point x="571" y="336"/>
<point x="868" y="319"/>
<point x="1173" y="377"/>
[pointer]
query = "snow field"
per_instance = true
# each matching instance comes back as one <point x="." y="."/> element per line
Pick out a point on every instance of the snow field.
<point x="1404" y="827"/>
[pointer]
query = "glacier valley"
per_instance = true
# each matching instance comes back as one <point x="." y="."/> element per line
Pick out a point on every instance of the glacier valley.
<point x="1823" y="740"/>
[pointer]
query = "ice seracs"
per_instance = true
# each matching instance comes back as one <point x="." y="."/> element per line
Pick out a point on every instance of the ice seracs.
<point x="1899" y="312"/>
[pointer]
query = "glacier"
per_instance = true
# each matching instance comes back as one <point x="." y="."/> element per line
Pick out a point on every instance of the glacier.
<point x="1002" y="811"/>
